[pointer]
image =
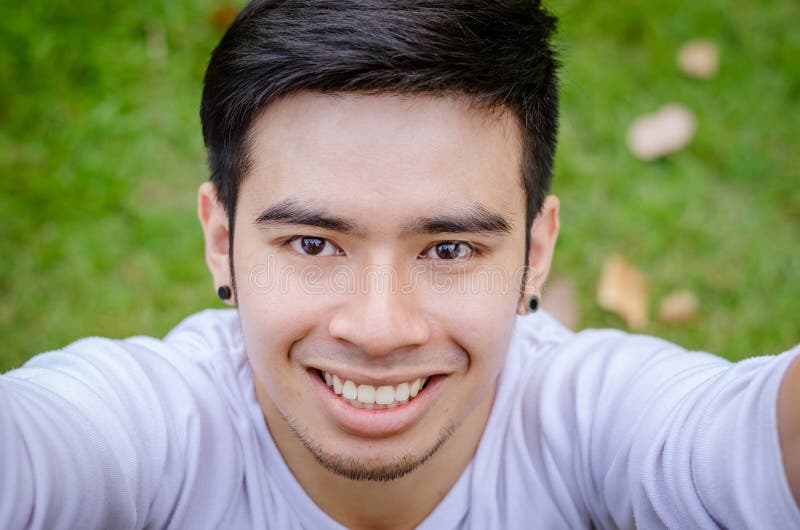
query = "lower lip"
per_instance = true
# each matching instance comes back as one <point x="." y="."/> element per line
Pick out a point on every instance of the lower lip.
<point x="376" y="423"/>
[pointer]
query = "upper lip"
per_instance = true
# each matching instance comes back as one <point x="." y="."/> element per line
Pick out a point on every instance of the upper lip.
<point x="376" y="380"/>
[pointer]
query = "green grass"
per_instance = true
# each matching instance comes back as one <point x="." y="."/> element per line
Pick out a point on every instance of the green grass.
<point x="722" y="217"/>
<point x="101" y="154"/>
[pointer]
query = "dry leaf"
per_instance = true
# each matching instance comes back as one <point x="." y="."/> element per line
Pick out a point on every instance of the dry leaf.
<point x="559" y="299"/>
<point x="655" y="135"/>
<point x="699" y="58"/>
<point x="622" y="291"/>
<point x="156" y="43"/>
<point x="678" y="307"/>
<point x="223" y="17"/>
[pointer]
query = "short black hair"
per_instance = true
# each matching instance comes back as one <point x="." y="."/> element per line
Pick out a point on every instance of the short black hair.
<point x="494" y="51"/>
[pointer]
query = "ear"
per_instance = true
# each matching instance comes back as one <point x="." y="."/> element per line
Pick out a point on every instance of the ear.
<point x="214" y="220"/>
<point x="544" y="233"/>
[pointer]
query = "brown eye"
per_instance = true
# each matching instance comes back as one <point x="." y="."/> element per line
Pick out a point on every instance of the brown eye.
<point x="314" y="246"/>
<point x="449" y="250"/>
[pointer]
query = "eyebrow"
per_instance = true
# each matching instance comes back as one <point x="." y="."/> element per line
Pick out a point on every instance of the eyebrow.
<point x="473" y="218"/>
<point x="291" y="211"/>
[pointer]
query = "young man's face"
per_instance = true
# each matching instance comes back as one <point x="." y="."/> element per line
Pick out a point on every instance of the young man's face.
<point x="379" y="239"/>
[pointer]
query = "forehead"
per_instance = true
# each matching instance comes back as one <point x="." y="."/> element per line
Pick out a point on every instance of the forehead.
<point x="386" y="156"/>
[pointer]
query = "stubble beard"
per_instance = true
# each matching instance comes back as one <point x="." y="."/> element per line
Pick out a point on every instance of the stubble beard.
<point x="354" y="469"/>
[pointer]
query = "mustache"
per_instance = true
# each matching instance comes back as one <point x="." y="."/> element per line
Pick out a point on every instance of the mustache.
<point x="311" y="352"/>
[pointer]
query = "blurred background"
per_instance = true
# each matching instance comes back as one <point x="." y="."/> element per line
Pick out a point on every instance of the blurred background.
<point x="101" y="155"/>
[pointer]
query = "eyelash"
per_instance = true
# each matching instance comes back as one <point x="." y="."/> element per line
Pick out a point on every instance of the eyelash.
<point x="473" y="249"/>
<point x="325" y="241"/>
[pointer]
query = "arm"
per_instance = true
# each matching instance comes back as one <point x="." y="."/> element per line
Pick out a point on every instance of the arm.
<point x="675" y="439"/>
<point x="789" y="426"/>
<point x="64" y="448"/>
<point x="116" y="434"/>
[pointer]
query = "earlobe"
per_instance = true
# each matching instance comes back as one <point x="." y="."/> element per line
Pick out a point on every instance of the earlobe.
<point x="544" y="233"/>
<point x="214" y="221"/>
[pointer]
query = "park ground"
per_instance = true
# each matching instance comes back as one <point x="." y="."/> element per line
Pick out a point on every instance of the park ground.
<point x="101" y="155"/>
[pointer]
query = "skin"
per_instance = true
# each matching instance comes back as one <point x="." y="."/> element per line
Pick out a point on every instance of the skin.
<point x="379" y="163"/>
<point x="789" y="427"/>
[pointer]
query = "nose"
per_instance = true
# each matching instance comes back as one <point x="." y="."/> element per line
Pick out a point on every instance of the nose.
<point x="380" y="322"/>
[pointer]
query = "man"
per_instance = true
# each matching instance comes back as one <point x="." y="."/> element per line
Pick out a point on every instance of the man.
<point x="377" y="213"/>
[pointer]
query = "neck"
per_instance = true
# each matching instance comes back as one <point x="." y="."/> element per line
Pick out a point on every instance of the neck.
<point x="393" y="505"/>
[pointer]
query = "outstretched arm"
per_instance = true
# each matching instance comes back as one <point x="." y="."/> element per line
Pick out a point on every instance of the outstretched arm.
<point x="789" y="426"/>
<point x="114" y="434"/>
<point x="677" y="439"/>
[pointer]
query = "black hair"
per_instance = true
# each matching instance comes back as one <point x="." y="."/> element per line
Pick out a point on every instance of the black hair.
<point x="496" y="52"/>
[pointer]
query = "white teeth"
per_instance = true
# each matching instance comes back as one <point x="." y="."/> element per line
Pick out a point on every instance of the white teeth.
<point x="366" y="393"/>
<point x="384" y="395"/>
<point x="414" y="388"/>
<point x="401" y="394"/>
<point x="368" y="397"/>
<point x="349" y="390"/>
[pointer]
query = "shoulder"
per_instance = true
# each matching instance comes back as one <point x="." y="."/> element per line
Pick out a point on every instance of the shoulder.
<point x="147" y="387"/>
<point x="542" y="344"/>
<point x="596" y="380"/>
<point x="142" y="378"/>
<point x="597" y="416"/>
<point x="203" y="343"/>
<point x="152" y="414"/>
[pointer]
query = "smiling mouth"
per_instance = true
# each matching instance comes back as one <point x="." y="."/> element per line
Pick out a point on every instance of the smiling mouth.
<point x="371" y="397"/>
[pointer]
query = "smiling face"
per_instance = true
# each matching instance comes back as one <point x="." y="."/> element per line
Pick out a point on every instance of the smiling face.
<point x="378" y="247"/>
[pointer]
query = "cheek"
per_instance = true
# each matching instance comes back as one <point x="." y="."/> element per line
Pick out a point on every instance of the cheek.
<point x="480" y="321"/>
<point x="481" y="325"/>
<point x="486" y="333"/>
<point x="276" y="301"/>
<point x="275" y="311"/>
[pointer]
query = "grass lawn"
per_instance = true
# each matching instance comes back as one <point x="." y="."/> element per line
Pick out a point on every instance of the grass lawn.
<point x="101" y="155"/>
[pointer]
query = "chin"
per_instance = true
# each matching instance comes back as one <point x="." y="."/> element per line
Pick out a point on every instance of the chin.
<point x="374" y="460"/>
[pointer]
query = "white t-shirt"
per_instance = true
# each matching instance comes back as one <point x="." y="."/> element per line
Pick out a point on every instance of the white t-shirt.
<point x="598" y="428"/>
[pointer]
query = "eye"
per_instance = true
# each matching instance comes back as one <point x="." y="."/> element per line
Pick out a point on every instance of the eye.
<point x="314" y="246"/>
<point x="449" y="250"/>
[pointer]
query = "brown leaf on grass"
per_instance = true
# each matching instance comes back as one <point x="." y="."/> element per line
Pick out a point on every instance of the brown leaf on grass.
<point x="678" y="307"/>
<point x="156" y="44"/>
<point x="655" y="135"/>
<point x="559" y="299"/>
<point x="622" y="290"/>
<point x="222" y="17"/>
<point x="699" y="59"/>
